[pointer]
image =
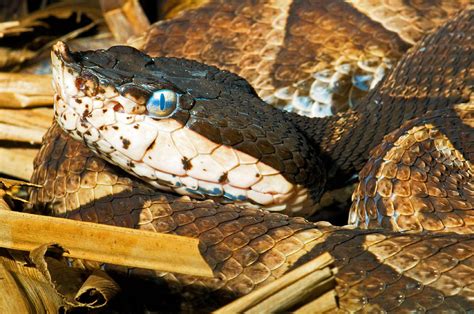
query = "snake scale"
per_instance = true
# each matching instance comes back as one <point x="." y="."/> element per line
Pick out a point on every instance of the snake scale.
<point x="416" y="178"/>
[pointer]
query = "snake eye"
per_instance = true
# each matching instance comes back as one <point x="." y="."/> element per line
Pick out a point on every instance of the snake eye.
<point x="162" y="103"/>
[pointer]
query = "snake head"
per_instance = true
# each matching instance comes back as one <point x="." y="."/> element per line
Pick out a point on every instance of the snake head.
<point x="186" y="127"/>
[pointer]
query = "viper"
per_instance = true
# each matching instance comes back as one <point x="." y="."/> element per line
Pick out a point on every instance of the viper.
<point x="128" y="124"/>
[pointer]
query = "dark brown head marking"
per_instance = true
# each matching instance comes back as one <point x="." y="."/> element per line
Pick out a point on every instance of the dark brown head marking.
<point x="126" y="143"/>
<point x="186" y="163"/>
<point x="223" y="177"/>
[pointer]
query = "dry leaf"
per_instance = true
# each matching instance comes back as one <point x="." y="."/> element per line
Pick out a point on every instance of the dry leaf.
<point x="34" y="33"/>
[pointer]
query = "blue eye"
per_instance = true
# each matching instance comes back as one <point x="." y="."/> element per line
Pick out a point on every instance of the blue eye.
<point x="162" y="103"/>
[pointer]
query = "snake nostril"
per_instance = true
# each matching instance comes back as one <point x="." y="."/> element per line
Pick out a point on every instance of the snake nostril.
<point x="118" y="108"/>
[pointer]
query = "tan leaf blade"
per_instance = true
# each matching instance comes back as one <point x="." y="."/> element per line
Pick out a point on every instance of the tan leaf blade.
<point x="103" y="243"/>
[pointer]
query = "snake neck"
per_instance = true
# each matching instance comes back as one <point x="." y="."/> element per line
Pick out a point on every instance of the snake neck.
<point x="343" y="141"/>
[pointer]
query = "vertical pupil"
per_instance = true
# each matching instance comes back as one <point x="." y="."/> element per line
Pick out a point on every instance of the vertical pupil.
<point x="162" y="102"/>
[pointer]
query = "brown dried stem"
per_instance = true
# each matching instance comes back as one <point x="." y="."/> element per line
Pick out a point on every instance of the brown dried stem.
<point x="103" y="243"/>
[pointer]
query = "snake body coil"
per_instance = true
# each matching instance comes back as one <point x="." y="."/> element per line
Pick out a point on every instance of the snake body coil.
<point x="418" y="177"/>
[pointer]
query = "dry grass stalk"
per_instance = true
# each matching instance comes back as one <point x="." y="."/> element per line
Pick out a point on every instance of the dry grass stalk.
<point x="27" y="84"/>
<point x="125" y="18"/>
<point x="15" y="100"/>
<point x="21" y="126"/>
<point x="21" y="90"/>
<point x="20" y="134"/>
<point x="310" y="279"/>
<point x="307" y="288"/>
<point x="17" y="162"/>
<point x="104" y="243"/>
<point x="323" y="304"/>
<point x="39" y="118"/>
<point x="171" y="8"/>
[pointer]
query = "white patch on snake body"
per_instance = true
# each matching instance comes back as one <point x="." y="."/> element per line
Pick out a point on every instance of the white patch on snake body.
<point x="332" y="86"/>
<point x="266" y="170"/>
<point x="260" y="198"/>
<point x="202" y="144"/>
<point x="96" y="104"/>
<point x="144" y="171"/>
<point x="244" y="176"/>
<point x="131" y="140"/>
<point x="183" y="144"/>
<point x="235" y="193"/>
<point x="320" y="93"/>
<point x="203" y="167"/>
<point x="82" y="127"/>
<point x="69" y="82"/>
<point x="273" y="184"/>
<point x="164" y="155"/>
<point x="103" y="145"/>
<point x="226" y="157"/>
<point x="164" y="125"/>
<point x="101" y="117"/>
<point x="166" y="177"/>
<point x="69" y="119"/>
<point x="245" y="159"/>
<point x="127" y="104"/>
<point x="124" y="118"/>
<point x="59" y="107"/>
<point x="120" y="159"/>
<point x="190" y="182"/>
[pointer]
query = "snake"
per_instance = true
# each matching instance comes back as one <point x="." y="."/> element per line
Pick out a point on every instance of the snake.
<point x="131" y="132"/>
<point x="314" y="58"/>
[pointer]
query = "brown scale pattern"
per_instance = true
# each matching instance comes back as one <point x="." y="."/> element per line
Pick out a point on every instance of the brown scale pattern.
<point x="410" y="19"/>
<point x="429" y="77"/>
<point x="300" y="51"/>
<point x="262" y="132"/>
<point x="378" y="270"/>
<point x="320" y="34"/>
<point x="421" y="176"/>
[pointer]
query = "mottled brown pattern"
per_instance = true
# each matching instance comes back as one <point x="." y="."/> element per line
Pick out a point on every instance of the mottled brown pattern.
<point x="324" y="34"/>
<point x="430" y="76"/>
<point x="300" y="52"/>
<point x="421" y="177"/>
<point x="246" y="248"/>
<point x="410" y="19"/>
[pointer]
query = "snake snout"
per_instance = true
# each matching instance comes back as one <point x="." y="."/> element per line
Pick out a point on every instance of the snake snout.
<point x="62" y="51"/>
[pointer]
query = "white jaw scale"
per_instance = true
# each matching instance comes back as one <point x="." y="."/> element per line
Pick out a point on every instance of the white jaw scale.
<point x="167" y="154"/>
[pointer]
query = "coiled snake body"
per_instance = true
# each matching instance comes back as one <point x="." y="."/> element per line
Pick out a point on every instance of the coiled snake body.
<point x="134" y="110"/>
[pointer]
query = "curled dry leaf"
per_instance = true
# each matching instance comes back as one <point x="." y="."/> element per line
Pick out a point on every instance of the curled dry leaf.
<point x="76" y="287"/>
<point x="23" y="288"/>
<point x="28" y="37"/>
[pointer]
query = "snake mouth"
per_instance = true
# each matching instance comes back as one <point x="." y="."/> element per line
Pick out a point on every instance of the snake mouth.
<point x="177" y="151"/>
